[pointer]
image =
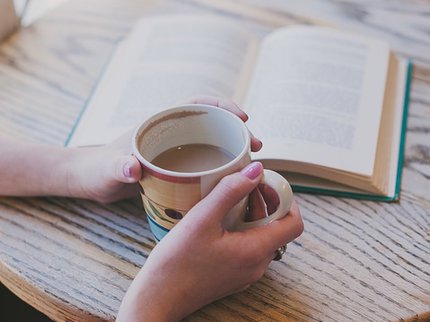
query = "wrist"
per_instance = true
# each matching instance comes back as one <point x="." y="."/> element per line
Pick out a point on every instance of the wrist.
<point x="32" y="169"/>
<point x="53" y="172"/>
<point x="57" y="172"/>
<point x="151" y="299"/>
<point x="77" y="173"/>
<point x="141" y="307"/>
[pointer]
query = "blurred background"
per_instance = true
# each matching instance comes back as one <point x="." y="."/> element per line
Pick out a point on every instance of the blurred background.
<point x="31" y="10"/>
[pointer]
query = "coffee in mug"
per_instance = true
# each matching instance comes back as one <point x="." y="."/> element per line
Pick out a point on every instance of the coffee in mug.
<point x="193" y="158"/>
<point x="184" y="152"/>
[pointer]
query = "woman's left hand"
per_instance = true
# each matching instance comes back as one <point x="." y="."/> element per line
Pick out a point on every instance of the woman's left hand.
<point x="110" y="172"/>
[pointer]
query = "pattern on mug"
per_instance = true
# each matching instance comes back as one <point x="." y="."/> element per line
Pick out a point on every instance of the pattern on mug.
<point x="165" y="217"/>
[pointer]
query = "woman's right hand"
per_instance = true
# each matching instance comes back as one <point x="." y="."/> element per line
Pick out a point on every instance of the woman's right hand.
<point x="199" y="261"/>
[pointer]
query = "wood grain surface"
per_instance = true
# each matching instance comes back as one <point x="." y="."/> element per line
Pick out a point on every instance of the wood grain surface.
<point x="74" y="259"/>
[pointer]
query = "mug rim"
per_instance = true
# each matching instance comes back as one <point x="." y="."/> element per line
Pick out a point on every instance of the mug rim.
<point x="188" y="107"/>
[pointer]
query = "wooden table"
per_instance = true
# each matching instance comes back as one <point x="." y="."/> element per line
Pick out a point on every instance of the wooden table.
<point x="74" y="259"/>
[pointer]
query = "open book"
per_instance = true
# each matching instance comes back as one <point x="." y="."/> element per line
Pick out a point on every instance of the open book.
<point x="329" y="106"/>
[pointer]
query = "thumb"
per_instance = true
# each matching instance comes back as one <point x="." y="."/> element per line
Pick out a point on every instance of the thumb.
<point x="229" y="192"/>
<point x="126" y="169"/>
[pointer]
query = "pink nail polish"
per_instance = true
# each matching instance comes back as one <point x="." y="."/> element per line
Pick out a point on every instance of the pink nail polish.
<point x="252" y="170"/>
<point x="245" y="117"/>
<point x="127" y="170"/>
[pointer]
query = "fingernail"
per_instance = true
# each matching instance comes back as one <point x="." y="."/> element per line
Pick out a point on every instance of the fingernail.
<point x="252" y="170"/>
<point x="126" y="170"/>
<point x="246" y="117"/>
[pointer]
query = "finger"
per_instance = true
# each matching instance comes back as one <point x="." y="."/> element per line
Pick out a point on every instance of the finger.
<point x="126" y="169"/>
<point x="227" y="193"/>
<point x="220" y="102"/>
<point x="270" y="197"/>
<point x="231" y="106"/>
<point x="256" y="205"/>
<point x="279" y="232"/>
<point x="256" y="144"/>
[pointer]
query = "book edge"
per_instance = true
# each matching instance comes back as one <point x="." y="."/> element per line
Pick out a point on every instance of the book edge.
<point x="403" y="130"/>
<point x="344" y="194"/>
<point x="92" y="93"/>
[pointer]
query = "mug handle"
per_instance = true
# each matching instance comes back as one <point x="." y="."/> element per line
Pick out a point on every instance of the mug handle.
<point x="285" y="194"/>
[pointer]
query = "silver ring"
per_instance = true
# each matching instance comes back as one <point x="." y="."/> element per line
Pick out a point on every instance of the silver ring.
<point x="279" y="252"/>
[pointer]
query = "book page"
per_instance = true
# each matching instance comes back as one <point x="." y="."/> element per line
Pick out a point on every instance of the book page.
<point x="166" y="60"/>
<point x="317" y="96"/>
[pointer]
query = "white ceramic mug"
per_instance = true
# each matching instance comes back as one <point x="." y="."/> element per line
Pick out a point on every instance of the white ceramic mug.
<point x="168" y="195"/>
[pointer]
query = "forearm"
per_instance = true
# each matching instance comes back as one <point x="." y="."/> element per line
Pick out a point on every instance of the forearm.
<point x="28" y="169"/>
<point x="153" y="298"/>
